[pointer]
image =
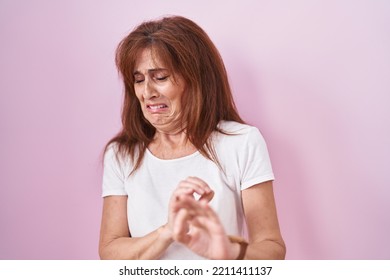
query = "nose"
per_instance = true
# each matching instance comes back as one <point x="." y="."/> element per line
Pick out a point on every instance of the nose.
<point x="149" y="91"/>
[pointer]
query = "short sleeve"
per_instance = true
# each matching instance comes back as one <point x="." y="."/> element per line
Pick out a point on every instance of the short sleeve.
<point x="254" y="160"/>
<point x="113" y="175"/>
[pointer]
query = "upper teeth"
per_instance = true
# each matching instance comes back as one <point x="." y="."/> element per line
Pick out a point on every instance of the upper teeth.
<point x="157" y="106"/>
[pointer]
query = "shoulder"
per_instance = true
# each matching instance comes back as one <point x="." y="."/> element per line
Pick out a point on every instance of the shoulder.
<point x="239" y="139"/>
<point x="235" y="131"/>
<point x="231" y="127"/>
<point x="242" y="151"/>
<point x="115" y="157"/>
<point x="110" y="153"/>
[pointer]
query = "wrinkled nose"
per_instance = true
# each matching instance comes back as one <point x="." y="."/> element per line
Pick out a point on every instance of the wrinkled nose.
<point x="150" y="91"/>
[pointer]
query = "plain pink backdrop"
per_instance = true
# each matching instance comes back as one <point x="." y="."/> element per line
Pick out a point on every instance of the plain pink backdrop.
<point x="314" y="76"/>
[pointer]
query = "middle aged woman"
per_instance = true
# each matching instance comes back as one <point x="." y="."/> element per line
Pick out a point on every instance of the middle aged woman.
<point x="185" y="178"/>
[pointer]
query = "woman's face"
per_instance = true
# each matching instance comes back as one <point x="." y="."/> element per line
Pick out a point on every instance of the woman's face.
<point x="159" y="92"/>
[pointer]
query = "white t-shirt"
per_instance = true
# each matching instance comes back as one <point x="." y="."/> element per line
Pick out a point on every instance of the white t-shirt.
<point x="245" y="161"/>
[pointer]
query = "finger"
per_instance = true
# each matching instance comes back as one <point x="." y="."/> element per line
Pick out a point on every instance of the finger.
<point x="200" y="209"/>
<point x="185" y="189"/>
<point x="199" y="189"/>
<point x="207" y="196"/>
<point x="208" y="211"/>
<point x="193" y="206"/>
<point x="208" y="220"/>
<point x="199" y="182"/>
<point x="180" y="191"/>
<point x="181" y="226"/>
<point x="182" y="202"/>
<point x="202" y="216"/>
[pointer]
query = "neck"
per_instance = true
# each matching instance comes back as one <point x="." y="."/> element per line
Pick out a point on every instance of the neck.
<point x="172" y="145"/>
<point x="175" y="139"/>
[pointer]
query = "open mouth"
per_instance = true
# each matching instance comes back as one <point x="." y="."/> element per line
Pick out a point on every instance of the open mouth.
<point x="156" y="108"/>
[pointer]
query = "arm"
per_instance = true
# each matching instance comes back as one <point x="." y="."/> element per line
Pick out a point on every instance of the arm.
<point x="265" y="240"/>
<point x="198" y="227"/>
<point x="115" y="241"/>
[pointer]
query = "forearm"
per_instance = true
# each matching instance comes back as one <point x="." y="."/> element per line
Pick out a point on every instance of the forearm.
<point x="266" y="250"/>
<point x="148" y="247"/>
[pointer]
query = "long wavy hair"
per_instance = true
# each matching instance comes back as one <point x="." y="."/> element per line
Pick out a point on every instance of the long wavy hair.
<point x="184" y="48"/>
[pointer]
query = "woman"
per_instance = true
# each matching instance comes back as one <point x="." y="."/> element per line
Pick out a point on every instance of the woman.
<point x="185" y="178"/>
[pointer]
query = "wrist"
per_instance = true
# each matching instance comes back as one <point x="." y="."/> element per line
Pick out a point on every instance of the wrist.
<point x="234" y="251"/>
<point x="165" y="234"/>
<point x="238" y="250"/>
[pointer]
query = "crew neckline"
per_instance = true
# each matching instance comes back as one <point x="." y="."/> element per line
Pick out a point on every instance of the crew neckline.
<point x="194" y="154"/>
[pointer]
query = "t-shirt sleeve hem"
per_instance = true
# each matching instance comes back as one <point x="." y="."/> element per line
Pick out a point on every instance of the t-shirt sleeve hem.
<point x="257" y="180"/>
<point x="112" y="192"/>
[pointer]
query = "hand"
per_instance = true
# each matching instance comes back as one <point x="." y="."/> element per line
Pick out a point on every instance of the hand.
<point x="198" y="227"/>
<point x="188" y="187"/>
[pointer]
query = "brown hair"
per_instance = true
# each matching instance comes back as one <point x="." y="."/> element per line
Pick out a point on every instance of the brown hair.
<point x="186" y="49"/>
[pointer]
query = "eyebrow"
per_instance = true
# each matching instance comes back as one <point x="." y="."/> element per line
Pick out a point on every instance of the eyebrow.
<point x="151" y="70"/>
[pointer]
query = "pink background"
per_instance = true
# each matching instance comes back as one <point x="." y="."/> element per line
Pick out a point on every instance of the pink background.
<point x="314" y="76"/>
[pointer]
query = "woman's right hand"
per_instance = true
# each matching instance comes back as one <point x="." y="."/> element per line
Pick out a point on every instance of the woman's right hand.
<point x="191" y="186"/>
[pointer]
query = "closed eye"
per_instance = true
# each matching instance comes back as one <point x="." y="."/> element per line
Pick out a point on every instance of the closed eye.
<point x="162" y="78"/>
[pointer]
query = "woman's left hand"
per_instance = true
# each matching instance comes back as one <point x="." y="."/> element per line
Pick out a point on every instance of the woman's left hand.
<point x="198" y="227"/>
